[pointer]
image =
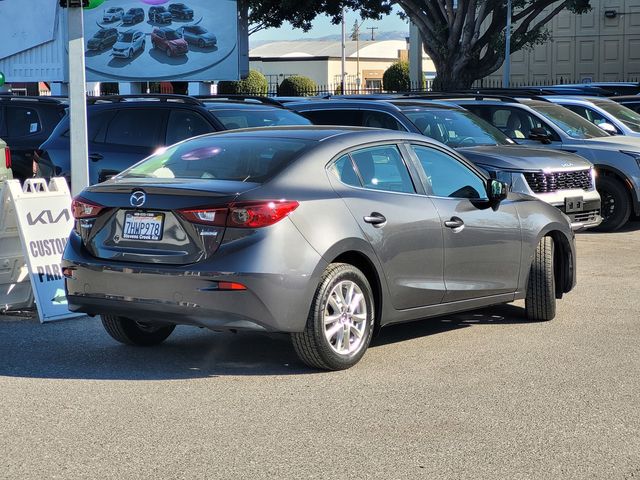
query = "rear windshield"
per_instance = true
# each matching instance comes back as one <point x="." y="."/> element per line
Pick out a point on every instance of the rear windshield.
<point x="570" y="123"/>
<point x="171" y="35"/>
<point x="245" y="160"/>
<point x="259" y="117"/>
<point x="627" y="116"/>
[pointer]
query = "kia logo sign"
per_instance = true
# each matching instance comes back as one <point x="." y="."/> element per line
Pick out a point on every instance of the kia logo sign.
<point x="137" y="199"/>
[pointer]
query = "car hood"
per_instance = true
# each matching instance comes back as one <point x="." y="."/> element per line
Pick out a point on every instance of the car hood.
<point x="516" y="157"/>
<point x="618" y="142"/>
<point x="180" y="42"/>
<point x="122" y="45"/>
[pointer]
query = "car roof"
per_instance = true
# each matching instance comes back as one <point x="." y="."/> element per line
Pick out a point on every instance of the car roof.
<point x="238" y="105"/>
<point x="624" y="98"/>
<point x="579" y="98"/>
<point x="389" y="105"/>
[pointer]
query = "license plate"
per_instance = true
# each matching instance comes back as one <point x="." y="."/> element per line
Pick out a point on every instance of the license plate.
<point x="573" y="204"/>
<point x="143" y="226"/>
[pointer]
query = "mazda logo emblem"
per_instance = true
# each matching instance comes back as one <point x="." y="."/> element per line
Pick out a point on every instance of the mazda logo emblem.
<point x="137" y="199"/>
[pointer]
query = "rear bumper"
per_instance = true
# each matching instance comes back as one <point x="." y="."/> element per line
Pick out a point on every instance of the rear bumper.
<point x="277" y="298"/>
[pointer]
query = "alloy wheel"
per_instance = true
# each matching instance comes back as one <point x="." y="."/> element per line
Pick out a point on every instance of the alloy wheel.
<point x="345" y="318"/>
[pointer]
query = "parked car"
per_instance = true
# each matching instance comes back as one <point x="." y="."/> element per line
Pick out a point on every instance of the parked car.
<point x="612" y="117"/>
<point x="180" y="11"/>
<point x="113" y="14"/>
<point x="129" y="43"/>
<point x="133" y="16"/>
<point x="562" y="179"/>
<point x="169" y="41"/>
<point x="197" y="35"/>
<point x="629" y="101"/>
<point x="159" y="14"/>
<point x="322" y="233"/>
<point x="5" y="162"/>
<point x="123" y="130"/>
<point x="611" y="88"/>
<point x="540" y="122"/>
<point x="26" y="122"/>
<point x="102" y="39"/>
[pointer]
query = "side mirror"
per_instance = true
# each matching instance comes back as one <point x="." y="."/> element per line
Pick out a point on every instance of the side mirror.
<point x="540" y="134"/>
<point x="496" y="191"/>
<point x="609" y="128"/>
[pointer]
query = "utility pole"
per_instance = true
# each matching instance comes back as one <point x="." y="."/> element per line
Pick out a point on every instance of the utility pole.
<point x="506" y="70"/>
<point x="372" y="30"/>
<point x="357" y="28"/>
<point x="77" y="99"/>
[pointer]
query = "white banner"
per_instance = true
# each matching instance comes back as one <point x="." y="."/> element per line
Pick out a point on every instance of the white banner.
<point x="44" y="223"/>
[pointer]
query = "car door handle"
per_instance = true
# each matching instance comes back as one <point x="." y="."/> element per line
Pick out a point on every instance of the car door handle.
<point x="376" y="219"/>
<point x="455" y="222"/>
<point x="96" y="156"/>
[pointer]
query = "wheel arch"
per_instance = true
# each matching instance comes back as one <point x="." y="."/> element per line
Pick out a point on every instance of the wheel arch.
<point x="363" y="263"/>
<point x="563" y="262"/>
<point x="609" y="171"/>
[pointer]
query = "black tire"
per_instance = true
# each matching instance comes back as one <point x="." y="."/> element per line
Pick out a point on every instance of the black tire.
<point x="616" y="204"/>
<point x="540" y="302"/>
<point x="311" y="345"/>
<point x="130" y="332"/>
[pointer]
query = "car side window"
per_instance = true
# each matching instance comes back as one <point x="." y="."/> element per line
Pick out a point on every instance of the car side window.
<point x="22" y="121"/>
<point x="375" y="119"/>
<point x="344" y="171"/>
<point x="447" y="176"/>
<point x="382" y="168"/>
<point x="517" y="123"/>
<point x="185" y="124"/>
<point x="591" y="115"/>
<point x="135" y="127"/>
<point x="334" y="117"/>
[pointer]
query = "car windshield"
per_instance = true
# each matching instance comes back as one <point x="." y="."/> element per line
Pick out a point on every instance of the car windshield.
<point x="112" y="10"/>
<point x="125" y="37"/>
<point x="171" y="35"/>
<point x="259" y="117"/>
<point x="132" y="11"/>
<point x="100" y="34"/>
<point x="253" y="159"/>
<point x="456" y="128"/>
<point x="570" y="123"/>
<point x="627" y="116"/>
<point x="197" y="29"/>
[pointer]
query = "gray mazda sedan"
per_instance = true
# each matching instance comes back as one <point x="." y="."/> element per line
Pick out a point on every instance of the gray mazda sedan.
<point x="326" y="233"/>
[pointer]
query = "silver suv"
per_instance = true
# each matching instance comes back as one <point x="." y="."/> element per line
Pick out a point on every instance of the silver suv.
<point x="543" y="123"/>
<point x="612" y="117"/>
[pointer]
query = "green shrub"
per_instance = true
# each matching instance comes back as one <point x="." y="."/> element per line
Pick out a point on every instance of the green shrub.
<point x="297" y="86"/>
<point x="254" y="84"/>
<point x="396" y="78"/>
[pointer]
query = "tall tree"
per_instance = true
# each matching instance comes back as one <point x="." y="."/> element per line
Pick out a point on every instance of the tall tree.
<point x="464" y="38"/>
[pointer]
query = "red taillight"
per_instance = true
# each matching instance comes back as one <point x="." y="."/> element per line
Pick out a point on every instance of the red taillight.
<point x="243" y="215"/>
<point x="7" y="157"/>
<point x="82" y="208"/>
<point x="207" y="216"/>
<point x="230" y="286"/>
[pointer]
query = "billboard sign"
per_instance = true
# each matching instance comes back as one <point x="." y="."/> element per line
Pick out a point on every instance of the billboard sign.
<point x="26" y="25"/>
<point x="152" y="40"/>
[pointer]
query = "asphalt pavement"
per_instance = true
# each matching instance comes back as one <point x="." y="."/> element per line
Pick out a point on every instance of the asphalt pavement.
<point x="480" y="395"/>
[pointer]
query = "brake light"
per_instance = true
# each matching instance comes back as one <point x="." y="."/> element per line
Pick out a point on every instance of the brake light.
<point x="242" y="215"/>
<point x="82" y="208"/>
<point x="7" y="157"/>
<point x="212" y="216"/>
<point x="259" y="214"/>
<point x="230" y="286"/>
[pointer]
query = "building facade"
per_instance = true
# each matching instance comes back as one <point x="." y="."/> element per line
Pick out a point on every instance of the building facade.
<point x="601" y="45"/>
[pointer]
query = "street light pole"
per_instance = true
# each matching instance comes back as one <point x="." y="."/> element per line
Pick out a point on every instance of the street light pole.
<point x="507" y="49"/>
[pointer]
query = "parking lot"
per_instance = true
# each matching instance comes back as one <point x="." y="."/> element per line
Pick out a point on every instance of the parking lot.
<point x="483" y="394"/>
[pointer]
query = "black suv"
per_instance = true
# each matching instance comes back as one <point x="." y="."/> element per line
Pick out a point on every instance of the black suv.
<point x="159" y="15"/>
<point x="26" y="122"/>
<point x="133" y="16"/>
<point x="180" y="11"/>
<point x="123" y="130"/>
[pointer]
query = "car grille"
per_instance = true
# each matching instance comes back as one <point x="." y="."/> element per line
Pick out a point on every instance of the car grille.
<point x="584" y="217"/>
<point x="541" y="182"/>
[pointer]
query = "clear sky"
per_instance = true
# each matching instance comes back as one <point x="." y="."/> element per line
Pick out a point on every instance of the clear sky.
<point x="322" y="26"/>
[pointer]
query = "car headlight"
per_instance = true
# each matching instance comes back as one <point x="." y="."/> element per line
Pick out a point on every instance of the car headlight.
<point x="635" y="155"/>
